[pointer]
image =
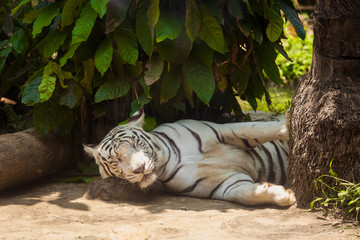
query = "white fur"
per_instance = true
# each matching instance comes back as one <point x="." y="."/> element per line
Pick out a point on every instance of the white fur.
<point x="202" y="159"/>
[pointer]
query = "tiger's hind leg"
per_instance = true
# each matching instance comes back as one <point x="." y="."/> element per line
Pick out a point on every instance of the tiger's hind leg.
<point x="261" y="193"/>
<point x="247" y="135"/>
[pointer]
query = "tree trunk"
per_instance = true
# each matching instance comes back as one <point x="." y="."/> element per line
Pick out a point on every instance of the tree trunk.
<point x="325" y="110"/>
<point x="26" y="157"/>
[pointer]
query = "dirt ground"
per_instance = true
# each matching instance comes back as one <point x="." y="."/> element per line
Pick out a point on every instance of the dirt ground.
<point x="58" y="211"/>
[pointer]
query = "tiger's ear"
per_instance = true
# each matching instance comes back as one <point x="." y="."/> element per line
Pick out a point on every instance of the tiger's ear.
<point x="137" y="119"/>
<point x="90" y="149"/>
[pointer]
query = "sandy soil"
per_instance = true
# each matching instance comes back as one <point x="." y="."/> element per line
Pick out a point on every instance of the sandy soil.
<point x="58" y="211"/>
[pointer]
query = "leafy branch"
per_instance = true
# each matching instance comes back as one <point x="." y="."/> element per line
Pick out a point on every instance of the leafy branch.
<point x="181" y="53"/>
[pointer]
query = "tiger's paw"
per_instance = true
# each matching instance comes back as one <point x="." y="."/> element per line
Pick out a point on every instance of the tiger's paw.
<point x="281" y="196"/>
<point x="261" y="189"/>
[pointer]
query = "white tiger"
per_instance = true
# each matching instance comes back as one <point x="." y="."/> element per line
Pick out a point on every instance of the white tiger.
<point x="237" y="162"/>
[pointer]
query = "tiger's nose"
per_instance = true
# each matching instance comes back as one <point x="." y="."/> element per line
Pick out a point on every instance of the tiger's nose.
<point x="140" y="169"/>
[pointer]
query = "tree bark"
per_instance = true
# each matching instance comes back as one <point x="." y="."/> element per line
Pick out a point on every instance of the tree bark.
<point x="325" y="110"/>
<point x="26" y="157"/>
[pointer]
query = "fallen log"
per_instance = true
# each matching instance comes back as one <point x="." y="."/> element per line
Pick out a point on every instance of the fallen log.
<point x="26" y="157"/>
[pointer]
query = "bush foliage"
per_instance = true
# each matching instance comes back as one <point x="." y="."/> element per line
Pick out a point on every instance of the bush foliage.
<point x="301" y="55"/>
<point x="173" y="54"/>
<point x="338" y="195"/>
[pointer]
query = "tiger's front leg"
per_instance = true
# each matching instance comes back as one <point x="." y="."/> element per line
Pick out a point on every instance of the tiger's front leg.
<point x="261" y="193"/>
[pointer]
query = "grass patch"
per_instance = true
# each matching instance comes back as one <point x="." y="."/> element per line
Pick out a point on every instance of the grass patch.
<point x="280" y="98"/>
<point x="339" y="196"/>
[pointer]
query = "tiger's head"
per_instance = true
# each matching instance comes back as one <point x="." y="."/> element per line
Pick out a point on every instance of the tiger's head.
<point x="128" y="152"/>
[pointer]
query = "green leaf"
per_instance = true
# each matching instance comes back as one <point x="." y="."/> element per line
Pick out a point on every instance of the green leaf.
<point x="200" y="79"/>
<point x="239" y="77"/>
<point x="113" y="88"/>
<point x="170" y="83"/>
<point x="89" y="67"/>
<point x="249" y="94"/>
<point x="204" y="53"/>
<point x="271" y="10"/>
<point x="272" y="71"/>
<point x="134" y="71"/>
<point x="47" y="85"/>
<point x="51" y="43"/>
<point x="278" y="45"/>
<point x="49" y="114"/>
<point x="153" y="14"/>
<point x="244" y="26"/>
<point x="69" y="53"/>
<point x="353" y="201"/>
<point x="257" y="32"/>
<point x="20" y="41"/>
<point x="175" y="51"/>
<point x="313" y="202"/>
<point x="62" y="75"/>
<point x="143" y="31"/>
<point x="22" y="3"/>
<point x="211" y="32"/>
<point x="71" y="10"/>
<point x="117" y="64"/>
<point x="7" y="23"/>
<point x="275" y="27"/>
<point x="154" y="70"/>
<point x="192" y="20"/>
<point x="115" y="13"/>
<point x="256" y="84"/>
<point x="31" y="16"/>
<point x="67" y="75"/>
<point x="267" y="97"/>
<point x="248" y="7"/>
<point x="127" y="43"/>
<point x="274" y="30"/>
<point x="294" y="19"/>
<point x="342" y="193"/>
<point x="6" y="49"/>
<point x="188" y="91"/>
<point x="31" y="95"/>
<point x="235" y="9"/>
<point x="84" y="24"/>
<point x="139" y="102"/>
<point x="70" y="96"/>
<point x="2" y="63"/>
<point x="331" y="172"/>
<point x="44" y="18"/>
<point x="145" y="87"/>
<point x="3" y="43"/>
<point x="169" y="26"/>
<point x="214" y="6"/>
<point x="149" y="123"/>
<point x="103" y="55"/>
<point x="179" y="106"/>
<point x="99" y="6"/>
<point x="268" y="56"/>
